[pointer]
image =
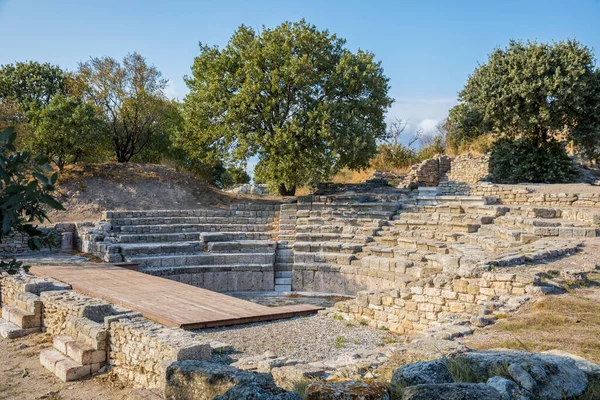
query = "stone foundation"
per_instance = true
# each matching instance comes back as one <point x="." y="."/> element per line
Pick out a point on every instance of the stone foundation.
<point x="137" y="349"/>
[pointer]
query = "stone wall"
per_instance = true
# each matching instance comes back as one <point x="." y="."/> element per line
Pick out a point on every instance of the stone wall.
<point x="428" y="173"/>
<point x="138" y="350"/>
<point x="436" y="300"/>
<point x="141" y="350"/>
<point x="508" y="194"/>
<point x="18" y="243"/>
<point x="465" y="170"/>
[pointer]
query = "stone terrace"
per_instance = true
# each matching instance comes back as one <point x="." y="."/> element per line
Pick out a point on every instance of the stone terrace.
<point x="398" y="241"/>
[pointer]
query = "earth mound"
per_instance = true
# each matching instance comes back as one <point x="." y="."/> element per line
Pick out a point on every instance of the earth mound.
<point x="87" y="190"/>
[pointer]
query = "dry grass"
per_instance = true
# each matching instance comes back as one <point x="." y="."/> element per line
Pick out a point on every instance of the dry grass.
<point x="570" y="322"/>
<point x="351" y="176"/>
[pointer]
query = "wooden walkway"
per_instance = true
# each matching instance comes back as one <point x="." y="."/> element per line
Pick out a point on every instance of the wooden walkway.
<point x="167" y="302"/>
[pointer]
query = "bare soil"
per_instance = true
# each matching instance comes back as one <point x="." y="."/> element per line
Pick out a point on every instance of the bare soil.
<point x="22" y="377"/>
<point x="87" y="190"/>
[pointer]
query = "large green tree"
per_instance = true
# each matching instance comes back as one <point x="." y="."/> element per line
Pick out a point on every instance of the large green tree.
<point x="68" y="130"/>
<point x="540" y="91"/>
<point x="25" y="89"/>
<point x="292" y="96"/>
<point x="130" y="97"/>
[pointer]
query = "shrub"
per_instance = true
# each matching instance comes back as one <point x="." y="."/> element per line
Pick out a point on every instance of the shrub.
<point x="525" y="160"/>
<point x="393" y="156"/>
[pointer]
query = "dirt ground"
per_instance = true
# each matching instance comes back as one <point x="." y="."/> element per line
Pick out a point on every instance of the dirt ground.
<point x="87" y="190"/>
<point x="22" y="377"/>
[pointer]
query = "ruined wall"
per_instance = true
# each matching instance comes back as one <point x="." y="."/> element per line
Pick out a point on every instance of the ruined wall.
<point x="465" y="170"/>
<point x="428" y="172"/>
<point x="137" y="349"/>
<point x="18" y="243"/>
<point x="141" y="350"/>
<point x="432" y="301"/>
<point x="508" y="194"/>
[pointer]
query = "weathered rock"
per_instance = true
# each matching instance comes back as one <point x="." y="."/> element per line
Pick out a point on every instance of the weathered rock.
<point x="419" y="373"/>
<point x="255" y="391"/>
<point x="545" y="376"/>
<point x="347" y="390"/>
<point x="202" y="380"/>
<point x="287" y="376"/>
<point x="508" y="389"/>
<point x="452" y="391"/>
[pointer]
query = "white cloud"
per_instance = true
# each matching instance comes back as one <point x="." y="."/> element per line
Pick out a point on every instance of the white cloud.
<point x="420" y="113"/>
<point x="171" y="90"/>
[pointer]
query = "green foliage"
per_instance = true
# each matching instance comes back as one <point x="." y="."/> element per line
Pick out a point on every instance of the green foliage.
<point x="69" y="130"/>
<point x="239" y="175"/>
<point x="294" y="97"/>
<point x="433" y="146"/>
<point x="392" y="154"/>
<point x="130" y="97"/>
<point x="526" y="160"/>
<point x="31" y="85"/>
<point x="537" y="90"/>
<point x="464" y="125"/>
<point x="25" y="195"/>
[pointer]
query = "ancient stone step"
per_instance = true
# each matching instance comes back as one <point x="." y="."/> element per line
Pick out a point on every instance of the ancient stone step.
<point x="120" y="222"/>
<point x="337" y="229"/>
<point x="328" y="247"/>
<point x="63" y="367"/>
<point x="508" y="234"/>
<point x="8" y="330"/>
<point x="106" y="215"/>
<point x="158" y="237"/>
<point x="79" y="352"/>
<point x="177" y="228"/>
<point x="135" y="249"/>
<point x="413" y="224"/>
<point x="22" y="319"/>
<point x="333" y="237"/>
<point x="242" y="246"/>
<point x="323" y="257"/>
<point x="337" y="221"/>
<point x="203" y="259"/>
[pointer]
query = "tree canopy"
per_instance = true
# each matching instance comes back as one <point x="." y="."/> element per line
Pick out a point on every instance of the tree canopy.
<point x="292" y="96"/>
<point x="67" y="130"/>
<point x="130" y="97"/>
<point x="536" y="90"/>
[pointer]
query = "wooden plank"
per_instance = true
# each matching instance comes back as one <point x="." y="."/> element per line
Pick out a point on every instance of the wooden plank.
<point x="167" y="302"/>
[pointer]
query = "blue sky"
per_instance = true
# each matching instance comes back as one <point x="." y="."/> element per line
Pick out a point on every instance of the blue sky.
<point x="428" y="48"/>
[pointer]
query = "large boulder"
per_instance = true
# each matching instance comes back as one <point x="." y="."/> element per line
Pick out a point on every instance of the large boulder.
<point x="546" y="376"/>
<point x="424" y="372"/>
<point x="452" y="391"/>
<point x="200" y="380"/>
<point x="254" y="391"/>
<point x="347" y="390"/>
<point x="509" y="389"/>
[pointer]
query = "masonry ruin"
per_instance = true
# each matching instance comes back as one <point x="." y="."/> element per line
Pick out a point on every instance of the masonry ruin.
<point x="436" y="261"/>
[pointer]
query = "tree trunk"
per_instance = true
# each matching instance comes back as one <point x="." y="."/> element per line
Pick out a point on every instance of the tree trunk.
<point x="284" y="191"/>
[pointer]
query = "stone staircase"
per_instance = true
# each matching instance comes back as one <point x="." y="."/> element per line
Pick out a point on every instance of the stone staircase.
<point x="22" y="318"/>
<point x="72" y="359"/>
<point x="351" y="242"/>
<point x="224" y="250"/>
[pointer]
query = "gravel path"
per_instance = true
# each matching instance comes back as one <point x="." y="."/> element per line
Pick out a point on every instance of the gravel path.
<point x="312" y="338"/>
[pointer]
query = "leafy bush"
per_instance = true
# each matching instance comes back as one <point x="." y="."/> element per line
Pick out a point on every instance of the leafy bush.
<point x="25" y="196"/>
<point x="525" y="160"/>
<point x="393" y="156"/>
<point x="434" y="146"/>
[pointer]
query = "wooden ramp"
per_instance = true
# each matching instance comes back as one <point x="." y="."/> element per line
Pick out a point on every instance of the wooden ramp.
<point x="167" y="302"/>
